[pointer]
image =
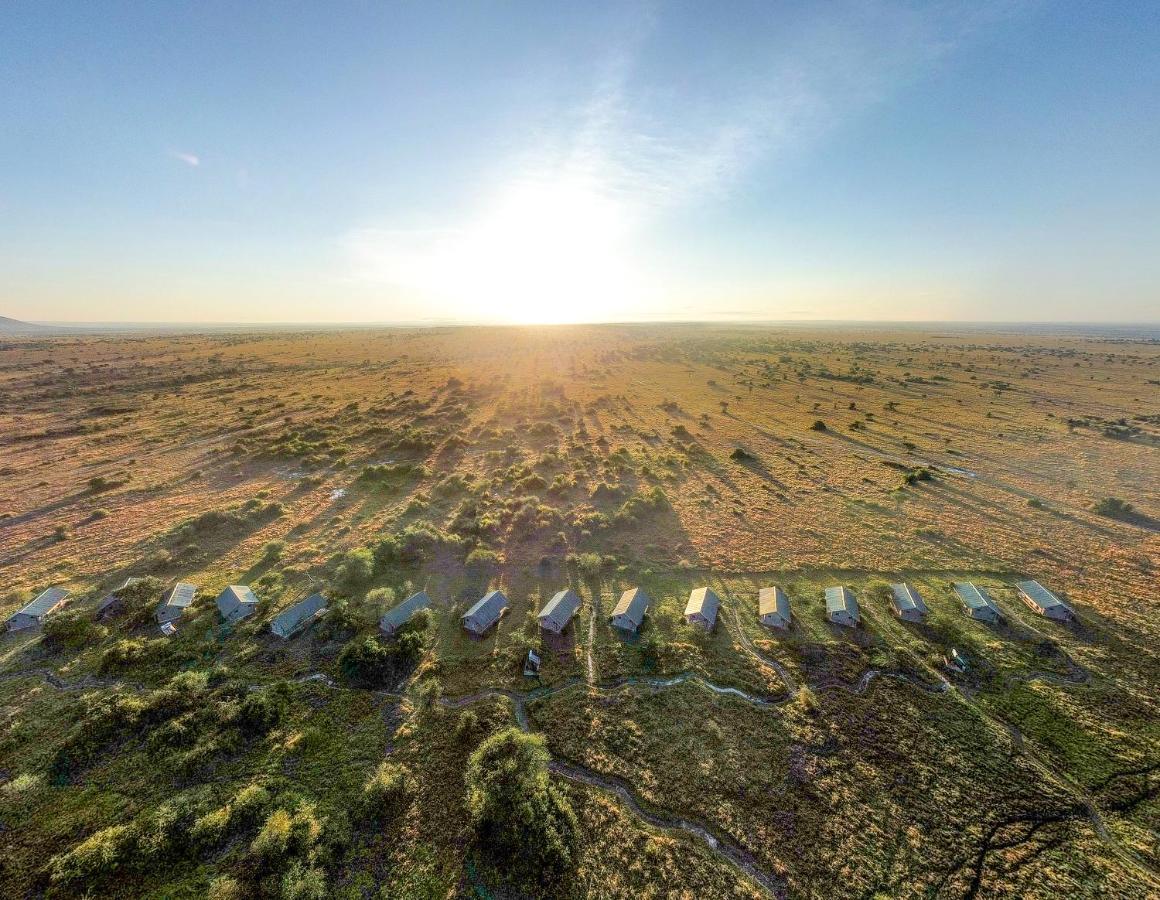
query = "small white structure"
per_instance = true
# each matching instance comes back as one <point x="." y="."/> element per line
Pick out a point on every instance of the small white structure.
<point x="956" y="661"/>
<point x="485" y="613"/>
<point x="773" y="608"/>
<point x="299" y="616"/>
<point x="559" y="611"/>
<point x="702" y="608"/>
<point x="175" y="601"/>
<point x="907" y="603"/>
<point x="976" y="604"/>
<point x="168" y="629"/>
<point x="34" y="613"/>
<point x="394" y="619"/>
<point x="532" y="665"/>
<point x="630" y="611"/>
<point x="842" y="606"/>
<point x="1043" y="601"/>
<point x="236" y="602"/>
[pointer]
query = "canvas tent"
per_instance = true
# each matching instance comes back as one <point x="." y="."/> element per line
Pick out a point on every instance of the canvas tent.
<point x="841" y="606"/>
<point x="629" y="612"/>
<point x="1044" y="601"/>
<point x="34" y="613"/>
<point x="236" y="602"/>
<point x="289" y="622"/>
<point x="773" y="607"/>
<point x="396" y="618"/>
<point x="175" y="601"/>
<point x="559" y="611"/>
<point x="702" y="607"/>
<point x="976" y="604"/>
<point x="907" y="603"/>
<point x="485" y="613"/>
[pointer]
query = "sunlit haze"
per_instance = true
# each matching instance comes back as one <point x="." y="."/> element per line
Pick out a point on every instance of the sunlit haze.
<point x="539" y="163"/>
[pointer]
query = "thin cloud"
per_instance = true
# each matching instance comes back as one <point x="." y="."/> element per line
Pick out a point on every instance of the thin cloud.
<point x="637" y="150"/>
<point x="190" y="159"/>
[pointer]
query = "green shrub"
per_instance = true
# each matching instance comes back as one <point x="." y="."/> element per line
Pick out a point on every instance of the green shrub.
<point x="225" y="888"/>
<point x="370" y="663"/>
<point x="72" y="630"/>
<point x="520" y="819"/>
<point x="386" y="793"/>
<point x="467" y="726"/>
<point x="1115" y="508"/>
<point x="818" y="425"/>
<point x="98" y="856"/>
<point x="355" y="569"/>
<point x="304" y="882"/>
<point x="123" y="654"/>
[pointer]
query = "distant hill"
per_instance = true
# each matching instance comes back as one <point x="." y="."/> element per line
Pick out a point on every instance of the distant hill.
<point x="15" y="326"/>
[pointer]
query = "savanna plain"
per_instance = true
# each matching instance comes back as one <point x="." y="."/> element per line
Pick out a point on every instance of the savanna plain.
<point x="818" y="761"/>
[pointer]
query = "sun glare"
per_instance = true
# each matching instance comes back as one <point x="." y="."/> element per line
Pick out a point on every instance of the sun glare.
<point x="552" y="251"/>
<point x="544" y="251"/>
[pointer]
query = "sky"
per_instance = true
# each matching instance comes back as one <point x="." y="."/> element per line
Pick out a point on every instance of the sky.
<point x="549" y="162"/>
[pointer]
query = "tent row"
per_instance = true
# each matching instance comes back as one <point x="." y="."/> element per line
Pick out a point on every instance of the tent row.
<point x="236" y="602"/>
<point x="773" y="607"/>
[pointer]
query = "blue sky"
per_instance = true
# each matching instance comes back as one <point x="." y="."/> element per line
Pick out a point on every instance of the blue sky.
<point x="548" y="162"/>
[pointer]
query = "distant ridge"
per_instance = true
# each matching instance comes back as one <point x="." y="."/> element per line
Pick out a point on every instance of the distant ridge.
<point x="15" y="326"/>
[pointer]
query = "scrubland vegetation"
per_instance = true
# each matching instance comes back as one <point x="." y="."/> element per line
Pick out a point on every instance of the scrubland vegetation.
<point x="225" y="762"/>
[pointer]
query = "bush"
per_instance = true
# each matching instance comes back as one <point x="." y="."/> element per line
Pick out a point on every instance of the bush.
<point x="386" y="793"/>
<point x="482" y="561"/>
<point x="818" y="425"/>
<point x="355" y="569"/>
<point x="303" y="882"/>
<point x="370" y="663"/>
<point x="1115" y="508"/>
<point x="123" y="654"/>
<point x="271" y="845"/>
<point x="225" y="888"/>
<point x="262" y="710"/>
<point x="467" y="727"/>
<point x="520" y="819"/>
<point x="70" y="629"/>
<point x="96" y="857"/>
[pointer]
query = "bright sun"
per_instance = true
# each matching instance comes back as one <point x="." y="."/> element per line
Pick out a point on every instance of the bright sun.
<point x="549" y="251"/>
<point x="544" y="251"/>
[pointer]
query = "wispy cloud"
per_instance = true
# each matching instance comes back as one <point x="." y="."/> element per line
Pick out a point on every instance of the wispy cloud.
<point x="637" y="148"/>
<point x="190" y="159"/>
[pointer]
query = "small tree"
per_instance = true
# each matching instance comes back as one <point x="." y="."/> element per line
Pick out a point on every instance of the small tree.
<point x="521" y="820"/>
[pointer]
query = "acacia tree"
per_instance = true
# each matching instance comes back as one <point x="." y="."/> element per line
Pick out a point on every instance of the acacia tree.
<point x="522" y="821"/>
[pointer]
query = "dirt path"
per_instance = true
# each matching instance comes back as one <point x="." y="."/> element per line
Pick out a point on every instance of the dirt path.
<point x="591" y="644"/>
<point x="739" y="858"/>
<point x="769" y="662"/>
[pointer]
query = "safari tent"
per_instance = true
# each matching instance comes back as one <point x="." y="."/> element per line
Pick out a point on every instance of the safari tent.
<point x="289" y="622"/>
<point x="559" y="611"/>
<point x="485" y="613"/>
<point x="842" y="606"/>
<point x="236" y="602"/>
<point x="907" y="603"/>
<point x="773" y="607"/>
<point x="396" y="618"/>
<point x="175" y="601"/>
<point x="1043" y="601"/>
<point x="702" y="607"/>
<point x="34" y="613"/>
<point x="629" y="612"/>
<point x="975" y="602"/>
